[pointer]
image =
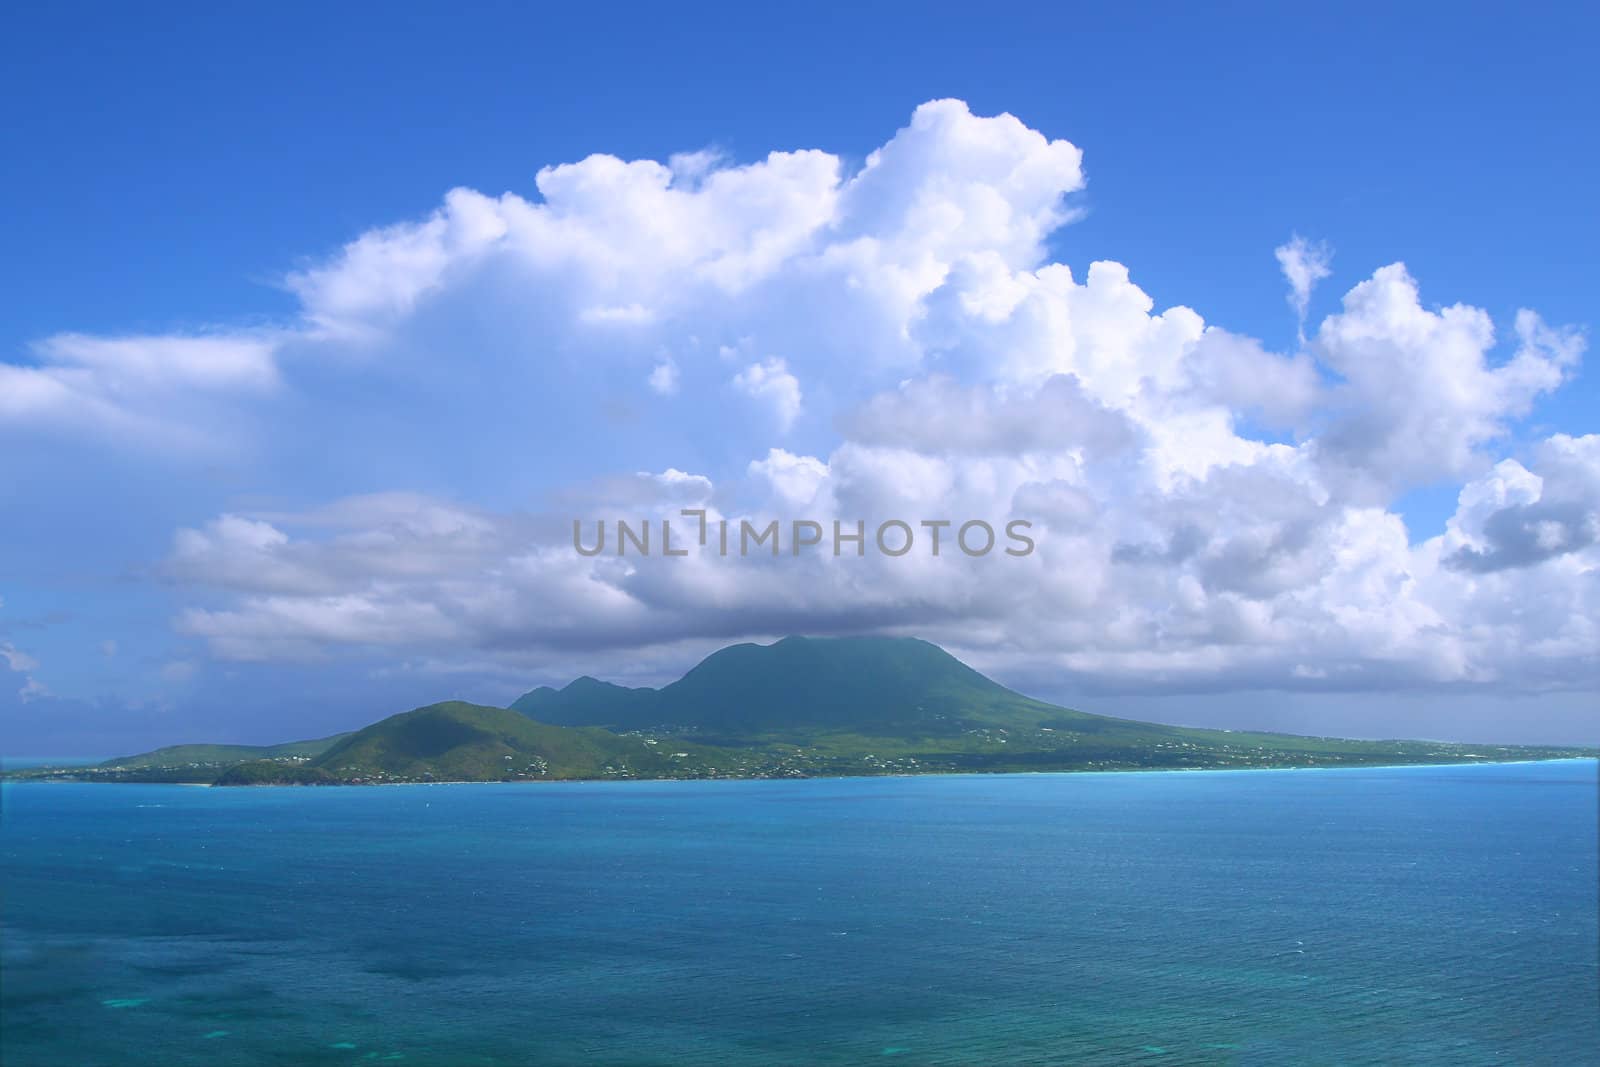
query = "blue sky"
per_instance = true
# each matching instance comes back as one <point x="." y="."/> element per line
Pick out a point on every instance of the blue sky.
<point x="168" y="177"/>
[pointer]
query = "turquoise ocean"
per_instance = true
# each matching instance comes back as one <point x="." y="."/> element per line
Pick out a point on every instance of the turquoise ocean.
<point x="1441" y="915"/>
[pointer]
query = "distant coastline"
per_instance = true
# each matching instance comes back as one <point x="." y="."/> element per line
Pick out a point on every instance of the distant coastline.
<point x="795" y="709"/>
<point x="68" y="780"/>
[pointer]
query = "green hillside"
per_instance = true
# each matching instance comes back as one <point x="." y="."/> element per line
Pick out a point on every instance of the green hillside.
<point x="461" y="742"/>
<point x="209" y="755"/>
<point x="185" y="763"/>
<point x="585" y="702"/>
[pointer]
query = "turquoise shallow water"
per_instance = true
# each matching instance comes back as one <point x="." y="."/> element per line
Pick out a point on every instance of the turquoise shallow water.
<point x="1410" y="915"/>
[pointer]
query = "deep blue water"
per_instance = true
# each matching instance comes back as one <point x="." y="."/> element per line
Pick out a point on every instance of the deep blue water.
<point x="1416" y="915"/>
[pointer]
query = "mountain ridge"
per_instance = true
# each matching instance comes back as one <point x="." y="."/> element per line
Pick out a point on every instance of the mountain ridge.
<point x="806" y="682"/>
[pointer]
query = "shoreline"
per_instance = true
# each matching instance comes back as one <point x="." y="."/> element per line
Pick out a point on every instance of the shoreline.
<point x="826" y="777"/>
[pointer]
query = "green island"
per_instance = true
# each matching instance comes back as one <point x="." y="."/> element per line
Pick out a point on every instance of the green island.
<point x="801" y="707"/>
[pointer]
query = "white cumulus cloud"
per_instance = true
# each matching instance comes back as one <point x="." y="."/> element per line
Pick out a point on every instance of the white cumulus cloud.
<point x="894" y="341"/>
<point x="771" y="383"/>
